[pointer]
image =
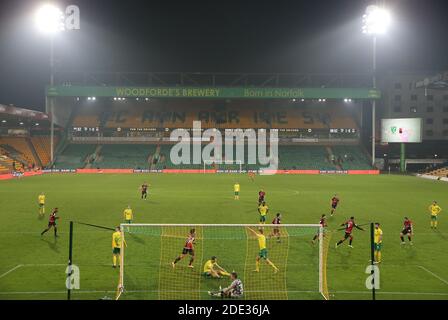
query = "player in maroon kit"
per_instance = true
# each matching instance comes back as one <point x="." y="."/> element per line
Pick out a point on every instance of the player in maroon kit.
<point x="408" y="230"/>
<point x="323" y="223"/>
<point x="334" y="204"/>
<point x="261" y="195"/>
<point x="349" y="225"/>
<point x="188" y="249"/>
<point x="52" y="223"/>
<point x="276" y="231"/>
<point x="144" y="190"/>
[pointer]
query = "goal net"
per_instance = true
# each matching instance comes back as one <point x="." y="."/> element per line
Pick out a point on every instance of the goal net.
<point x="224" y="165"/>
<point x="146" y="270"/>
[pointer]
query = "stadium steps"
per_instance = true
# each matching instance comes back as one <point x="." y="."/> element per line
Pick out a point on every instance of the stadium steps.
<point x="33" y="152"/>
<point x="42" y="145"/>
<point x="333" y="158"/>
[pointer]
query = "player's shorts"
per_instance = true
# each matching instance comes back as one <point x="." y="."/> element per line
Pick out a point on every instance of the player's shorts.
<point x="41" y="205"/>
<point x="260" y="200"/>
<point x="334" y="205"/>
<point x="263" y="253"/>
<point x="237" y="193"/>
<point x="188" y="251"/>
<point x="207" y="274"/>
<point x="262" y="218"/>
<point x="116" y="250"/>
<point x="144" y="192"/>
<point x="51" y="224"/>
<point x="406" y="231"/>
<point x="377" y="246"/>
<point x="433" y="217"/>
<point x="347" y="235"/>
<point x="276" y="230"/>
<point x="128" y="221"/>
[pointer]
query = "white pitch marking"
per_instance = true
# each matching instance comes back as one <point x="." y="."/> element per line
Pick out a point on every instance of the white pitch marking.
<point x="9" y="271"/>
<point x="433" y="274"/>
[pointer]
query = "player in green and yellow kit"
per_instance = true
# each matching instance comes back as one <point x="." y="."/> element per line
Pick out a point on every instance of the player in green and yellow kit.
<point x="263" y="210"/>
<point x="128" y="214"/>
<point x="263" y="253"/>
<point x="116" y="246"/>
<point x="434" y="209"/>
<point x="377" y="242"/>
<point x="41" y="202"/>
<point x="236" y="190"/>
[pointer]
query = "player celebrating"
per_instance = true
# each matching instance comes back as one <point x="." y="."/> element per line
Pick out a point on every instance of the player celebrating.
<point x="408" y="229"/>
<point x="435" y="210"/>
<point x="349" y="225"/>
<point x="263" y="210"/>
<point x="128" y="215"/>
<point x="188" y="249"/>
<point x="144" y="190"/>
<point x="377" y="242"/>
<point x="263" y="254"/>
<point x="52" y="223"/>
<point x="276" y="231"/>
<point x="334" y="204"/>
<point x="323" y="223"/>
<point x="213" y="269"/>
<point x="261" y="195"/>
<point x="236" y="189"/>
<point x="116" y="247"/>
<point x="41" y="202"/>
<point x="235" y="290"/>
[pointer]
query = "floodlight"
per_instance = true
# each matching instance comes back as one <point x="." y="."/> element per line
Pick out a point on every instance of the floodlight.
<point x="376" y="20"/>
<point x="49" y="19"/>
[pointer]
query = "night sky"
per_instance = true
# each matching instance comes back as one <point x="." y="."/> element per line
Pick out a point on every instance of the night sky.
<point x="318" y="36"/>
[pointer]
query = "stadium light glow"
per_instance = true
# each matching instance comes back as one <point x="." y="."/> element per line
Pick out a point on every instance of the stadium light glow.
<point x="4" y="121"/>
<point x="49" y="19"/>
<point x="376" y="20"/>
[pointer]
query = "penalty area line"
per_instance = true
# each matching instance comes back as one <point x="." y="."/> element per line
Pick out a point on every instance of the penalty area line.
<point x="11" y="270"/>
<point x="434" y="275"/>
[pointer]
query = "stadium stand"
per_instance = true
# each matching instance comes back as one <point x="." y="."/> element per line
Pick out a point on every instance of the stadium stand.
<point x="74" y="156"/>
<point x="19" y="149"/>
<point x="160" y="113"/>
<point x="150" y="156"/>
<point x="42" y="146"/>
<point x="440" y="172"/>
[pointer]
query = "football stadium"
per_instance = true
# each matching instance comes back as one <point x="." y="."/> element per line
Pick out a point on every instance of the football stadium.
<point x="238" y="186"/>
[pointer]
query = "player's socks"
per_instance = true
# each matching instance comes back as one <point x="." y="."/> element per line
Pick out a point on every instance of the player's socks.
<point x="257" y="266"/>
<point x="435" y="224"/>
<point x="378" y="257"/>
<point x="272" y="265"/>
<point x="402" y="239"/>
<point x="176" y="260"/>
<point x="114" y="260"/>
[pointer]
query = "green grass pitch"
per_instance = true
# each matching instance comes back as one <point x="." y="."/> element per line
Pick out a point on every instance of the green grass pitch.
<point x="32" y="267"/>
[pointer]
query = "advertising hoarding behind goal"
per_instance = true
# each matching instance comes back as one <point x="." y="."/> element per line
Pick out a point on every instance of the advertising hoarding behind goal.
<point x="406" y="130"/>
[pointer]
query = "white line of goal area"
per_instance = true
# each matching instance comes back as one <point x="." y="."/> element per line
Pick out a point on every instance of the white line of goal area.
<point x="204" y="291"/>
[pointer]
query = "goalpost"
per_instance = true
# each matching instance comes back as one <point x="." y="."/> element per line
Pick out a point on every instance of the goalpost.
<point x="238" y="163"/>
<point x="148" y="250"/>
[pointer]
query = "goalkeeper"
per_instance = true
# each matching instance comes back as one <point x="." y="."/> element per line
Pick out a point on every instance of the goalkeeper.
<point x="213" y="269"/>
<point x="235" y="290"/>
